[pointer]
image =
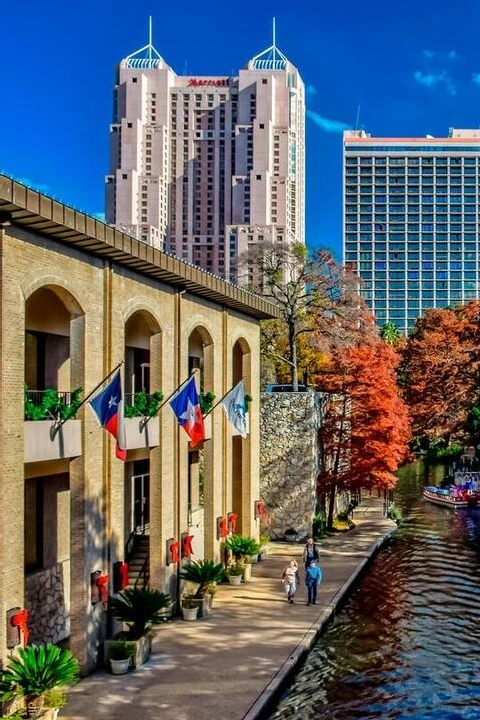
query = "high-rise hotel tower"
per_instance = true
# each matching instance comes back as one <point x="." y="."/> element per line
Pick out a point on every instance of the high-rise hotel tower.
<point x="411" y="221"/>
<point x="203" y="167"/>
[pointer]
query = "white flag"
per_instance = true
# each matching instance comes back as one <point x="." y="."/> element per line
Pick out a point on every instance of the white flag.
<point x="234" y="405"/>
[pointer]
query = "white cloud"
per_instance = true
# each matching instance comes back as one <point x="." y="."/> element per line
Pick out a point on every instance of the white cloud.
<point x="310" y="90"/>
<point x="330" y="126"/>
<point x="428" y="54"/>
<point x="475" y="78"/>
<point x="435" y="55"/>
<point x="434" y="80"/>
<point x="40" y="187"/>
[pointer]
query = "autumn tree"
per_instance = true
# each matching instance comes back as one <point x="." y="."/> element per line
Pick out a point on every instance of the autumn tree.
<point x="366" y="429"/>
<point x="318" y="300"/>
<point x="441" y="372"/>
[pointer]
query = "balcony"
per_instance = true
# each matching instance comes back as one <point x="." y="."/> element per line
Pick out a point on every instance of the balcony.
<point x="139" y="434"/>
<point x="43" y="439"/>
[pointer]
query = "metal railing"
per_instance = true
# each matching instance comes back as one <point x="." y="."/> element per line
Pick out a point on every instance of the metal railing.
<point x="53" y="409"/>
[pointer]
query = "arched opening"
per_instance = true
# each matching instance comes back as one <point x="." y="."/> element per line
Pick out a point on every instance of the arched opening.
<point x="200" y="481"/>
<point x="142" y="379"/>
<point x="240" y="447"/>
<point x="54" y="324"/>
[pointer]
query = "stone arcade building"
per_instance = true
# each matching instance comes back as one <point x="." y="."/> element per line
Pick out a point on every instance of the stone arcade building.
<point x="77" y="298"/>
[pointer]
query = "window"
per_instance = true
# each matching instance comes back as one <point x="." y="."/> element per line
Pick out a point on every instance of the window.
<point x="261" y="126"/>
<point x="134" y="80"/>
<point x="33" y="527"/>
<point x="124" y="176"/>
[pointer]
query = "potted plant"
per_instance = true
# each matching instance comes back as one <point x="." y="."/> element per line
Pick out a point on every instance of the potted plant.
<point x="235" y="574"/>
<point x="204" y="574"/>
<point x="241" y="547"/>
<point x="55" y="699"/>
<point x="190" y="606"/>
<point x="120" y="655"/>
<point x="140" y="609"/>
<point x="264" y="541"/>
<point x="36" y="670"/>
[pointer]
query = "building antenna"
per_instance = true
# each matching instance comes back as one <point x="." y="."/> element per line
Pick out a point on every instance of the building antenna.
<point x="358" y="118"/>
<point x="274" y="33"/>
<point x="150" y="34"/>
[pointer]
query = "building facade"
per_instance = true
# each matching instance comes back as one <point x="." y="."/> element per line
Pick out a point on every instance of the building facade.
<point x="78" y="298"/>
<point x="206" y="166"/>
<point x="410" y="221"/>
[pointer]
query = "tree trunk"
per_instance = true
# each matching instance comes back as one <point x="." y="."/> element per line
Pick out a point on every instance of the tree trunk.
<point x="292" y="343"/>
<point x="331" y="506"/>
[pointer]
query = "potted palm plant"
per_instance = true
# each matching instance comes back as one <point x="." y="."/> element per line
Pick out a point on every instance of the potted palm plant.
<point x="190" y="606"/>
<point x="242" y="547"/>
<point x="140" y="609"/>
<point x="36" y="670"/>
<point x="204" y="574"/>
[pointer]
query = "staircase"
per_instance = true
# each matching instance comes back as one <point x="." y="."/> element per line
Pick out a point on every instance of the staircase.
<point x="138" y="561"/>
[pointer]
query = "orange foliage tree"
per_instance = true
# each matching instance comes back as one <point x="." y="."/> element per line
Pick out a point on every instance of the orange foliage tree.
<point x="366" y="428"/>
<point x="441" y="367"/>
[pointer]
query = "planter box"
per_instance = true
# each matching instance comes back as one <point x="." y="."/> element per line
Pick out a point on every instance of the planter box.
<point x="39" y="446"/>
<point x="137" y="436"/>
<point x="204" y="605"/>
<point x="143" y="648"/>
<point x="207" y="424"/>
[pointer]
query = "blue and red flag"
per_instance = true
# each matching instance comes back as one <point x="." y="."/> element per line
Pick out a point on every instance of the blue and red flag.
<point x="186" y="406"/>
<point x="108" y="407"/>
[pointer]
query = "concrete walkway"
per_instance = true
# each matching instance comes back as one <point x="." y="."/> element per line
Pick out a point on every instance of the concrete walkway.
<point x="231" y="664"/>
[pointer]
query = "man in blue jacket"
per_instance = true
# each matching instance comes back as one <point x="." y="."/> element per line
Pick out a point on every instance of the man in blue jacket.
<point x="313" y="578"/>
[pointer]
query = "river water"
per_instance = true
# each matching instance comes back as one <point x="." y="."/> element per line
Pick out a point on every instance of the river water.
<point x="406" y="643"/>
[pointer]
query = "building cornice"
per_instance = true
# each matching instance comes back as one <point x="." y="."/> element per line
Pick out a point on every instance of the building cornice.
<point x="40" y="213"/>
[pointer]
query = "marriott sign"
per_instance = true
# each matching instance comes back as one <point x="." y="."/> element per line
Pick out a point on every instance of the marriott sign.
<point x="215" y="82"/>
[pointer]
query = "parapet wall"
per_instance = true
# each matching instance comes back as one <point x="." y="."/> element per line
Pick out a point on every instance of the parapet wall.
<point x="289" y="461"/>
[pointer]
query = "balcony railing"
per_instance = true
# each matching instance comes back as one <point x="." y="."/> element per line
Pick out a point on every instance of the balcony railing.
<point x="49" y="404"/>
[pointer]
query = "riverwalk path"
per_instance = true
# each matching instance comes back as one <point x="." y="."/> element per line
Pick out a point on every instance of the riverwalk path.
<point x="231" y="664"/>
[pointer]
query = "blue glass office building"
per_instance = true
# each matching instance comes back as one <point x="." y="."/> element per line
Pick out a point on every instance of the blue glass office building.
<point x="411" y="221"/>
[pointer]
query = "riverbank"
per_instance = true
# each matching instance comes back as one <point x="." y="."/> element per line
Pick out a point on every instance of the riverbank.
<point x="234" y="663"/>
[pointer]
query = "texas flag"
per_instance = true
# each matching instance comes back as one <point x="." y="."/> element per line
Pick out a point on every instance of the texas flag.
<point x="108" y="407"/>
<point x="186" y="406"/>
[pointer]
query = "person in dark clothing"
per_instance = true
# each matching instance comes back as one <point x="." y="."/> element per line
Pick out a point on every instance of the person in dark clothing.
<point x="313" y="578"/>
<point x="310" y="552"/>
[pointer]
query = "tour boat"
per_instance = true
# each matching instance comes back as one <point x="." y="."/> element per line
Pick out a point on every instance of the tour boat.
<point x="446" y="497"/>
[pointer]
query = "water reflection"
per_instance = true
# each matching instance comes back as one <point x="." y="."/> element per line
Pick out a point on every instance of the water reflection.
<point x="405" y="644"/>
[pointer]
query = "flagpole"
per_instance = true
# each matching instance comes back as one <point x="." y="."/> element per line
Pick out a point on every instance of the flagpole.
<point x="221" y="400"/>
<point x="56" y="427"/>
<point x="177" y="389"/>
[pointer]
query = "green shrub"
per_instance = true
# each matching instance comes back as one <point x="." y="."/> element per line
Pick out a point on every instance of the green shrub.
<point x="241" y="546"/>
<point x="236" y="569"/>
<point x="52" y="406"/>
<point x="206" y="402"/>
<point x="394" y="513"/>
<point x="140" y="608"/>
<point x="144" y="405"/>
<point x="36" y="670"/>
<point x="319" y="526"/>
<point x="203" y="573"/>
<point x="55" y="698"/>
<point x="120" y="650"/>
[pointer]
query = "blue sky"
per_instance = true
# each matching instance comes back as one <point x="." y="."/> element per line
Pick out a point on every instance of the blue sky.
<point x="414" y="68"/>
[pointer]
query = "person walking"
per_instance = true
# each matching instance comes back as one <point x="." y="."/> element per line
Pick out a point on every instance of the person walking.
<point x="310" y="553"/>
<point x="313" y="578"/>
<point x="290" y="580"/>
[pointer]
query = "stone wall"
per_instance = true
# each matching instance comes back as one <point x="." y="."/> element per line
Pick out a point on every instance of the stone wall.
<point x="289" y="461"/>
<point x="49" y="618"/>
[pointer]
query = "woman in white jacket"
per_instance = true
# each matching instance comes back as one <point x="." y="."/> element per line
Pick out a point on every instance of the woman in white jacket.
<point x="290" y="580"/>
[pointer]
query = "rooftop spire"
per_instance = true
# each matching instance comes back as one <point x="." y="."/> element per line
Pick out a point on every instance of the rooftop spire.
<point x="271" y="58"/>
<point x="147" y="57"/>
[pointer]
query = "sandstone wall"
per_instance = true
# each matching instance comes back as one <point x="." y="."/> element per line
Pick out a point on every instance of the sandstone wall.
<point x="289" y="461"/>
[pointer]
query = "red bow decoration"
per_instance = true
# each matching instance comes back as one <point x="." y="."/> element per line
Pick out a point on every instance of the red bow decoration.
<point x="232" y="521"/>
<point x="187" y="548"/>
<point x="102" y="584"/>
<point x="174" y="549"/>
<point x="20" y="620"/>
<point x="223" y="527"/>
<point x="123" y="575"/>
<point x="260" y="511"/>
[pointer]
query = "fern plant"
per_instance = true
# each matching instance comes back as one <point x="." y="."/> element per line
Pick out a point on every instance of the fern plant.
<point x="139" y="608"/>
<point x="203" y="573"/>
<point x="36" y="670"/>
<point x="206" y="402"/>
<point x="144" y="405"/>
<point x="241" y="546"/>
